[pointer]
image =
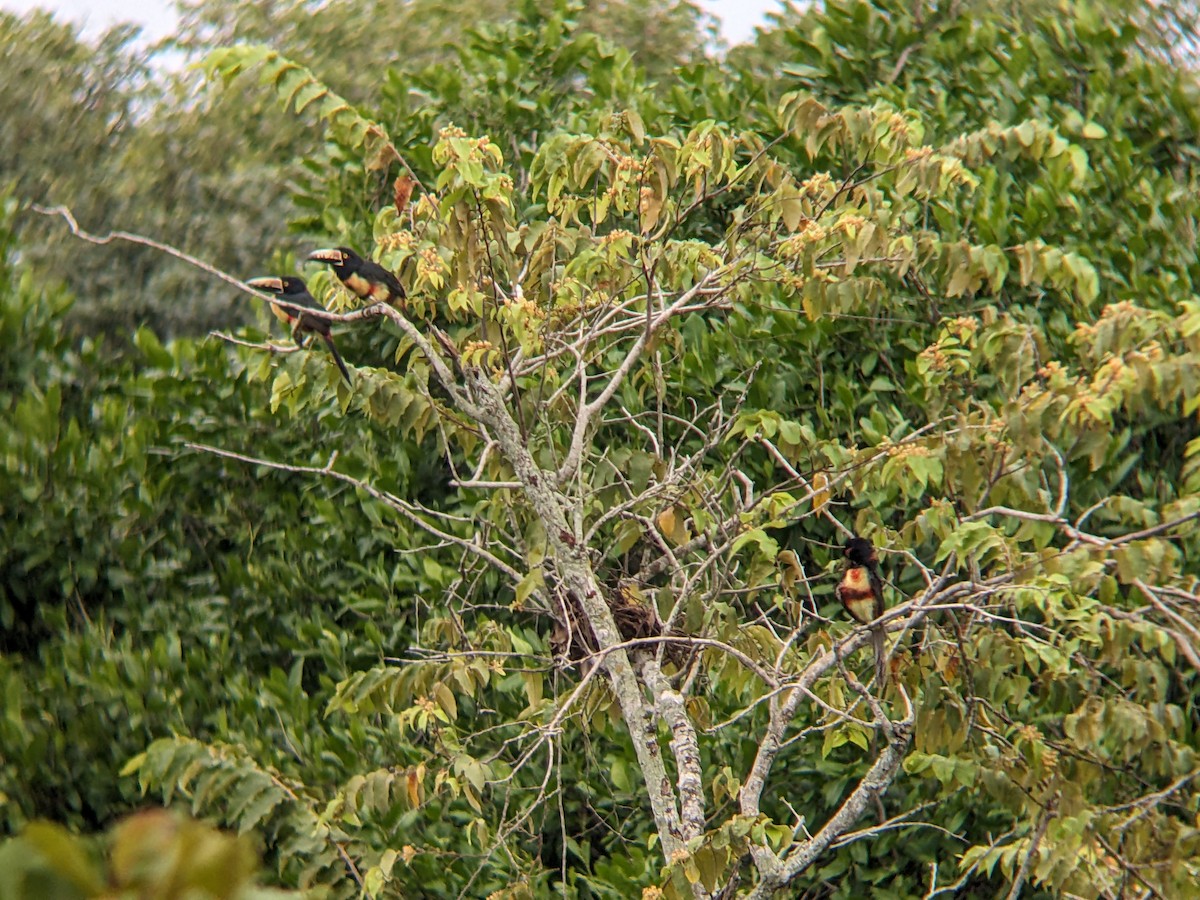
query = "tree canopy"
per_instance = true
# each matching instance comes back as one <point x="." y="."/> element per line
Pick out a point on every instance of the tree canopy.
<point x="544" y="601"/>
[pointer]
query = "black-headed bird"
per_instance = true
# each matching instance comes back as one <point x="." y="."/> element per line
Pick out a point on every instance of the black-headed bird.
<point x="861" y="592"/>
<point x="366" y="279"/>
<point x="291" y="289"/>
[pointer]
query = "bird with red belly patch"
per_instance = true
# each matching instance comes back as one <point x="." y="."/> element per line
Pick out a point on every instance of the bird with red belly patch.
<point x="366" y="279"/>
<point x="861" y="592"/>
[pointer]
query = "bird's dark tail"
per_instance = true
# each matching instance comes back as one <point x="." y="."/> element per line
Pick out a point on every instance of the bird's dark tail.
<point x="877" y="640"/>
<point x="337" y="358"/>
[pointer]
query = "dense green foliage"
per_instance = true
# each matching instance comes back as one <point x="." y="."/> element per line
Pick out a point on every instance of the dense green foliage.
<point x="920" y="272"/>
<point x="133" y="567"/>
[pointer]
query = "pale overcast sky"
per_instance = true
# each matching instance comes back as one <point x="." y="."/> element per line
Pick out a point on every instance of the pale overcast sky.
<point x="157" y="17"/>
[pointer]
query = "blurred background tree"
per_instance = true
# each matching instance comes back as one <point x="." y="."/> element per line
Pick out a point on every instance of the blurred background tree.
<point x="133" y="140"/>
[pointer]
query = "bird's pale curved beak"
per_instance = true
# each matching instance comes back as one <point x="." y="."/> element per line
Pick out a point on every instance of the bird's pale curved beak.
<point x="274" y="285"/>
<point x="327" y="256"/>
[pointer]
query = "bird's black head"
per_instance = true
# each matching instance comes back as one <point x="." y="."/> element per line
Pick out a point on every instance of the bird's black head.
<point x="293" y="286"/>
<point x="338" y="257"/>
<point x="860" y="552"/>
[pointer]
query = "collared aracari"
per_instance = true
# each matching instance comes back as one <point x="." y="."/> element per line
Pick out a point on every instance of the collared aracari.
<point x="861" y="592"/>
<point x="366" y="279"/>
<point x="293" y="290"/>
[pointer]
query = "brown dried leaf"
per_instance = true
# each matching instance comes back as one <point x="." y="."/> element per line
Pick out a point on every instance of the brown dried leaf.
<point x="402" y="189"/>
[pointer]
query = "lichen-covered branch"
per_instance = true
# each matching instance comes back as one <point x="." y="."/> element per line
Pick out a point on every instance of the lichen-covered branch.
<point x="668" y="703"/>
<point x="570" y="561"/>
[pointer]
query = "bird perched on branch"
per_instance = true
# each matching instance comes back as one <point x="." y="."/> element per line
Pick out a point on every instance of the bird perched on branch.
<point x="366" y="279"/>
<point x="861" y="592"/>
<point x="291" y="289"/>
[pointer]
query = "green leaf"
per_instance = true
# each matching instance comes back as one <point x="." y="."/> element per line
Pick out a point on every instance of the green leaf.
<point x="66" y="856"/>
